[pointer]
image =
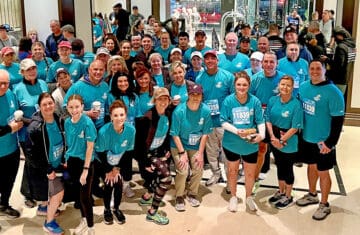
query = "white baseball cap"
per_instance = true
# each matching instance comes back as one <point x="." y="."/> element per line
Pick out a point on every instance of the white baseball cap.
<point x="257" y="55"/>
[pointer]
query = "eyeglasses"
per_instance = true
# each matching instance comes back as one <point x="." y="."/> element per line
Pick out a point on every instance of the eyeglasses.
<point x="4" y="83"/>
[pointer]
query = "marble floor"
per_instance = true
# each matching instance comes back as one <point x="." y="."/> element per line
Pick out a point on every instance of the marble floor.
<point x="212" y="217"/>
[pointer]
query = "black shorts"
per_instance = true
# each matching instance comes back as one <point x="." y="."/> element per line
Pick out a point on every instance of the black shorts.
<point x="310" y="154"/>
<point x="232" y="157"/>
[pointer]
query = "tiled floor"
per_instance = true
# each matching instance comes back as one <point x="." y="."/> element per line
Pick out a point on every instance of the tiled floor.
<point x="212" y="216"/>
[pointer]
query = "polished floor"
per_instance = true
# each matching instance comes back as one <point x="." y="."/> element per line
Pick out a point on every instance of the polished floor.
<point x="212" y="217"/>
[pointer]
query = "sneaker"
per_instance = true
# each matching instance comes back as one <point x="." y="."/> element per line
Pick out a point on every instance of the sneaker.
<point x="251" y="204"/>
<point x="148" y="202"/>
<point x="157" y="218"/>
<point x="41" y="210"/>
<point x="128" y="191"/>
<point x="81" y="228"/>
<point x="120" y="217"/>
<point x="255" y="187"/>
<point x="9" y="212"/>
<point x="213" y="180"/>
<point x="30" y="203"/>
<point x="262" y="176"/>
<point x="193" y="200"/>
<point x="108" y="217"/>
<point x="53" y="228"/>
<point x="307" y="199"/>
<point x="233" y="203"/>
<point x="284" y="202"/>
<point x="322" y="211"/>
<point x="179" y="204"/>
<point x="276" y="197"/>
<point x="145" y="202"/>
<point x="227" y="189"/>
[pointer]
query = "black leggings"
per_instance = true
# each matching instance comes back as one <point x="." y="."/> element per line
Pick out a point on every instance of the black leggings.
<point x="117" y="188"/>
<point x="162" y="180"/>
<point x="284" y="164"/>
<point x="9" y="166"/>
<point x="75" y="169"/>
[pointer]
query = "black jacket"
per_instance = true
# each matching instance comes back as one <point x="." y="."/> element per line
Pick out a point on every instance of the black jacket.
<point x="38" y="143"/>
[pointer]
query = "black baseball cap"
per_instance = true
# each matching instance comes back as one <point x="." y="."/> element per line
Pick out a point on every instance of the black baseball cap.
<point x="245" y="39"/>
<point x="289" y="29"/>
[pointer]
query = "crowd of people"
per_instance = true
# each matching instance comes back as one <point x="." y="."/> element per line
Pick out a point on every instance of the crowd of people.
<point x="82" y="118"/>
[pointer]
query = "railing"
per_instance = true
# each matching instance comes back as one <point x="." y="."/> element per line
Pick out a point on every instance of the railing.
<point x="10" y="13"/>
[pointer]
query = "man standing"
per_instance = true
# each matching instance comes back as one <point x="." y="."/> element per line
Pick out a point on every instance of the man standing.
<point x="122" y="19"/>
<point x="217" y="83"/>
<point x="326" y="26"/>
<point x="9" y="152"/>
<point x="323" y="106"/>
<point x="6" y="40"/>
<point x="200" y="39"/>
<point x="53" y="40"/>
<point x="135" y="16"/>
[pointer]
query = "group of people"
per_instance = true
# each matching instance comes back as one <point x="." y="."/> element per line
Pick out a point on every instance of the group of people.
<point x="85" y="117"/>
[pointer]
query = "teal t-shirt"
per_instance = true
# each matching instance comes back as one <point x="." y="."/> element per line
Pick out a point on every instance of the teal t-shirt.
<point x="14" y="73"/>
<point x="43" y="67"/>
<point x="144" y="103"/>
<point x="75" y="68"/>
<point x="286" y="115"/>
<point x="320" y="103"/>
<point x="77" y="135"/>
<point x="91" y="93"/>
<point x="161" y="132"/>
<point x="56" y="144"/>
<point x="165" y="53"/>
<point x="190" y="125"/>
<point x="27" y="96"/>
<point x="298" y="70"/>
<point x="242" y="116"/>
<point x="159" y="79"/>
<point x="234" y="63"/>
<point x="133" y="107"/>
<point x="265" y="87"/>
<point x="86" y="59"/>
<point x="179" y="90"/>
<point x="215" y="88"/>
<point x="9" y="105"/>
<point x="115" y="144"/>
<point x="187" y="54"/>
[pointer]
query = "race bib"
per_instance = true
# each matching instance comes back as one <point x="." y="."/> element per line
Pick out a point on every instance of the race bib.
<point x="194" y="139"/>
<point x="213" y="106"/>
<point x="309" y="106"/>
<point x="58" y="151"/>
<point x="113" y="159"/>
<point x="157" y="142"/>
<point x="241" y="115"/>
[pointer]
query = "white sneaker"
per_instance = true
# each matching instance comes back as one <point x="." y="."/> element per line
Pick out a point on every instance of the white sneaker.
<point x="251" y="204"/>
<point x="128" y="191"/>
<point x="81" y="228"/>
<point x="233" y="203"/>
<point x="262" y="176"/>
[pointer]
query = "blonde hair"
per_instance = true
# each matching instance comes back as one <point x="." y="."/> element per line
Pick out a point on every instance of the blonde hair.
<point x="122" y="62"/>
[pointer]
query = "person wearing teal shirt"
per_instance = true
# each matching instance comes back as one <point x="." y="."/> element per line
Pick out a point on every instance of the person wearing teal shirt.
<point x="256" y="59"/>
<point x="42" y="62"/>
<point x="232" y="60"/>
<point x="243" y="121"/>
<point x="159" y="73"/>
<point x="78" y="52"/>
<point x="97" y="35"/>
<point x="47" y="144"/>
<point x="115" y="140"/>
<point x="284" y="118"/>
<point x="200" y="40"/>
<point x="217" y="84"/>
<point x="264" y="85"/>
<point x="294" y="66"/>
<point x="191" y="123"/>
<point x="80" y="133"/>
<point x="122" y="88"/>
<point x="9" y="151"/>
<point x="165" y="47"/>
<point x="179" y="87"/>
<point x="144" y="89"/>
<point x="92" y="88"/>
<point x="324" y="108"/>
<point x="75" y="67"/>
<point x="8" y="63"/>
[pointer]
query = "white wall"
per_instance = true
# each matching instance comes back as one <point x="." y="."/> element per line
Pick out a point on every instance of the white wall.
<point x="83" y="23"/>
<point x="105" y="6"/>
<point x="144" y="7"/>
<point x="355" y="95"/>
<point x="162" y="10"/>
<point x="38" y="14"/>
